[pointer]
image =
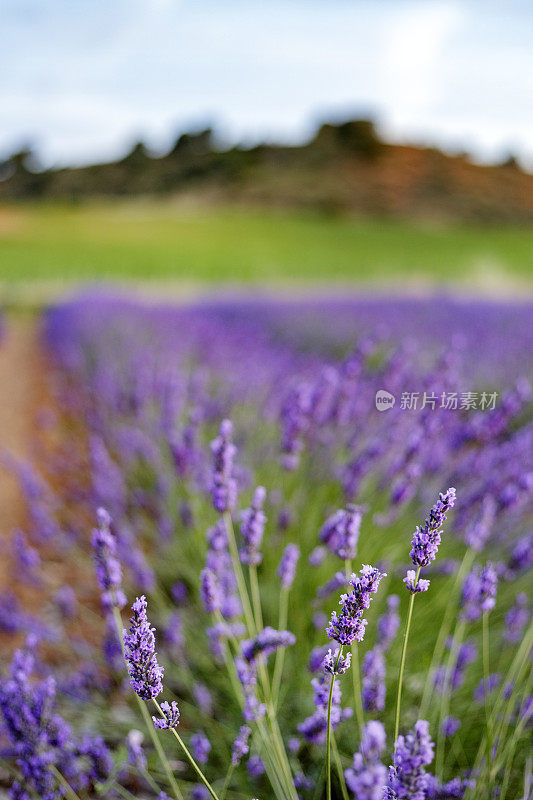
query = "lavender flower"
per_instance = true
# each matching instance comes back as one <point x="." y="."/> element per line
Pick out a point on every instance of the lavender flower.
<point x="108" y="569"/>
<point x="367" y="777"/>
<point x="388" y="623"/>
<point x="178" y="591"/>
<point x="255" y="766"/>
<point x="253" y="521"/>
<point x="334" y="664"/>
<point x="201" y="747"/>
<point x="27" y="558"/>
<point x="171" y="716"/>
<point x="516" y="618"/>
<point x="450" y="726"/>
<point x="466" y="654"/>
<point x="334" y="583"/>
<point x="210" y="592"/>
<point x="407" y="777"/>
<point x="66" y="601"/>
<point x="521" y="557"/>
<point x="426" y="538"/>
<point x="240" y="745"/>
<point x="316" y="657"/>
<point x="203" y="698"/>
<point x="146" y="675"/>
<point x="301" y="781"/>
<point x="287" y="565"/>
<point x="247" y="675"/>
<point x="486" y="687"/>
<point x="373" y="684"/>
<point x="488" y="587"/>
<point x="341" y="531"/>
<point x="173" y="631"/>
<point x="414" y="586"/>
<point x="479" y="592"/>
<point x="199" y="792"/>
<point x="452" y="790"/>
<point x="223" y="486"/>
<point x="317" y="556"/>
<point x="314" y="727"/>
<point x="349" y="626"/>
<point x="136" y="756"/>
<point x="265" y="643"/>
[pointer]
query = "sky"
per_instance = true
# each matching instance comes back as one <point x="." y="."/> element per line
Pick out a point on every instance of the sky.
<point x="82" y="80"/>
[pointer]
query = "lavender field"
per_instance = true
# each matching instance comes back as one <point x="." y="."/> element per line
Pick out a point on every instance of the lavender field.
<point x="274" y="549"/>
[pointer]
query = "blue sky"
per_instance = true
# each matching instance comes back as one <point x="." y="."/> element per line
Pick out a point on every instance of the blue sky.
<point x="83" y="79"/>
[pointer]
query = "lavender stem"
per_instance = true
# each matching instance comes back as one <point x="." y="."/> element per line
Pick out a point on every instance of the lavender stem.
<point x="402" y="661"/>
<point x="188" y="755"/>
<point x="328" y="730"/>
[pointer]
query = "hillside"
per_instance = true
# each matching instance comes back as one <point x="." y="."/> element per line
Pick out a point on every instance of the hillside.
<point x="345" y="168"/>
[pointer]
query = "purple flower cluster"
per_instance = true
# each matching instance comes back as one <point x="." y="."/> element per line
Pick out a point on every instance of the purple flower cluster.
<point x="201" y="747"/>
<point x="516" y="618"/>
<point x="479" y="592"/>
<point x="335" y="663"/>
<point x="253" y="522"/>
<point x="413" y="753"/>
<point x="171" y="716"/>
<point x="466" y="655"/>
<point x="373" y="683"/>
<point x="136" y="756"/>
<point x="287" y="565"/>
<point x="426" y="538"/>
<point x="210" y="591"/>
<point x="240" y="745"/>
<point x="41" y="740"/>
<point x="218" y="586"/>
<point x="367" y="776"/>
<point x="388" y="623"/>
<point x="265" y="643"/>
<point x="108" y="569"/>
<point x="146" y="676"/>
<point x="224" y="485"/>
<point x="341" y="531"/>
<point x="349" y="626"/>
<point x="314" y="727"/>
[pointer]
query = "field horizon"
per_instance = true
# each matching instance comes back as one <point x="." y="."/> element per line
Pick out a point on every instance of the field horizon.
<point x="179" y="249"/>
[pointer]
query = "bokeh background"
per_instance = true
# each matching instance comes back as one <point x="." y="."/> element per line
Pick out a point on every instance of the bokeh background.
<point x="343" y="143"/>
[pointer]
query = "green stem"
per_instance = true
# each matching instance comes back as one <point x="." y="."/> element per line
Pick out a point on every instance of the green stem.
<point x="271" y="768"/>
<point x="239" y="575"/>
<point x="446" y="693"/>
<point x="486" y="697"/>
<point x="191" y="760"/>
<point x="280" y="655"/>
<point x="328" y="729"/>
<point x="64" y="783"/>
<point x="402" y="661"/>
<point x="227" y="779"/>
<point x="340" y="772"/>
<point x="356" y="682"/>
<point x="444" y="631"/>
<point x="256" y="597"/>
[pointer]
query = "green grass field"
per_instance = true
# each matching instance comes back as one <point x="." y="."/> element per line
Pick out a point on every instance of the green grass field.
<point x="166" y="241"/>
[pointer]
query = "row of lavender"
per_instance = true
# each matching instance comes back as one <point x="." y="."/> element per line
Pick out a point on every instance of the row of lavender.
<point x="241" y="599"/>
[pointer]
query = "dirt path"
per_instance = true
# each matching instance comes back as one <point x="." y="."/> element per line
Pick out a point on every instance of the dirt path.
<point x="22" y="393"/>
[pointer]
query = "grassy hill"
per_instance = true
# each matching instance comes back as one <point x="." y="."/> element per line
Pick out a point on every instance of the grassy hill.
<point x="345" y="168"/>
